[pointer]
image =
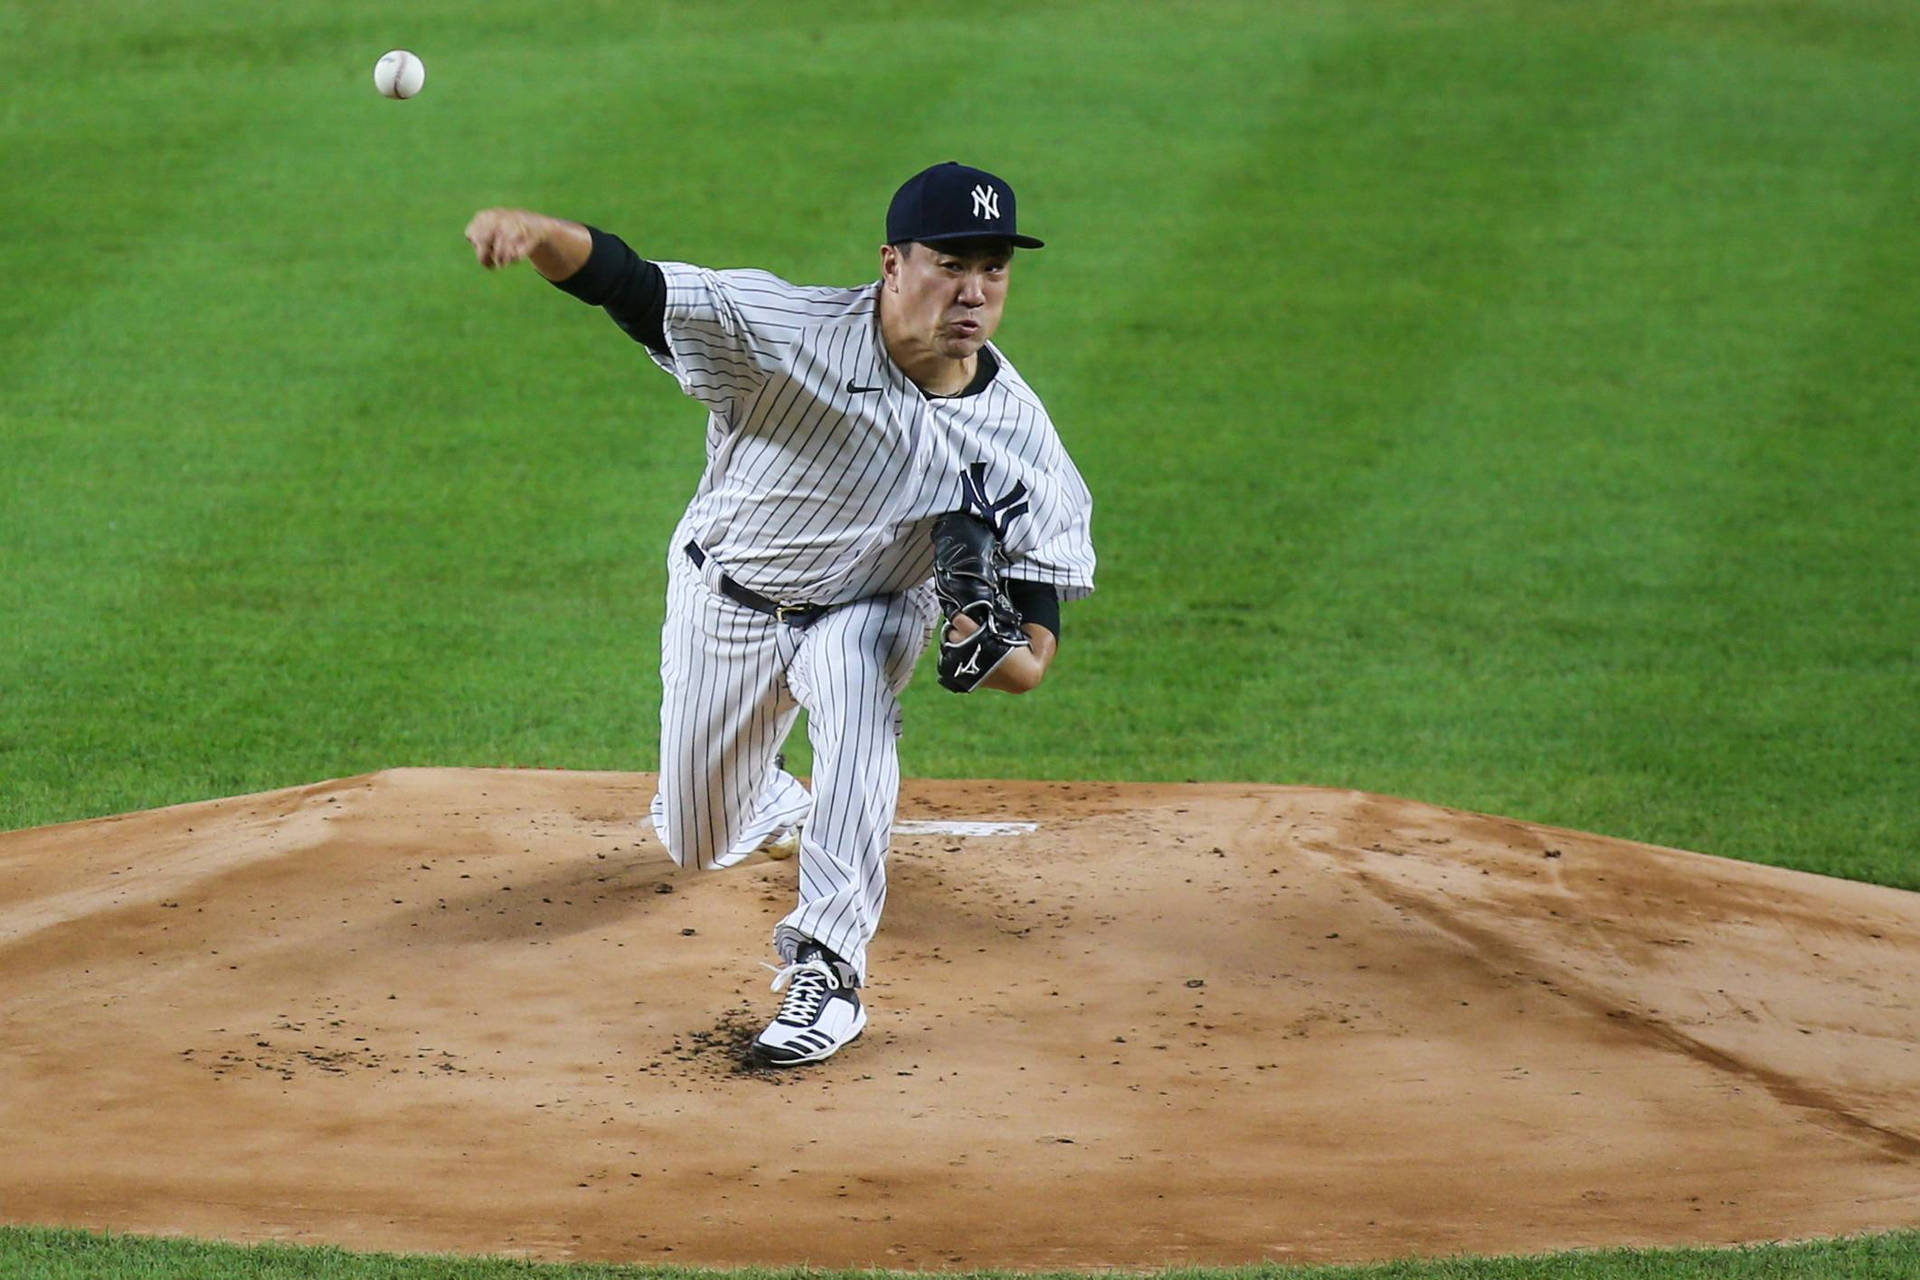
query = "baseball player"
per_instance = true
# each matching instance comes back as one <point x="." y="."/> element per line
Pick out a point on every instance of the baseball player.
<point x="873" y="462"/>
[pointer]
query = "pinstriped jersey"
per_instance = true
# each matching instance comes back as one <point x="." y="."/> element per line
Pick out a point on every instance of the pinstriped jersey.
<point x="826" y="465"/>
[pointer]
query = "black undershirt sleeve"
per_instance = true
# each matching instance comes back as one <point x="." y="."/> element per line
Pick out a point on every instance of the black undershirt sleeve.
<point x="1038" y="603"/>
<point x="633" y="290"/>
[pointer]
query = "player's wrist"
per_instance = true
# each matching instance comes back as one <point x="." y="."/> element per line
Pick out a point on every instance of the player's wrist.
<point x="560" y="248"/>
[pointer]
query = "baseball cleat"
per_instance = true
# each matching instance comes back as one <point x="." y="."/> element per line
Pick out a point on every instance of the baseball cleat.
<point x="782" y="844"/>
<point x="821" y="1014"/>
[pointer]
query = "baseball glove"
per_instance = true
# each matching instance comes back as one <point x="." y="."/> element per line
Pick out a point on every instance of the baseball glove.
<point x="968" y="575"/>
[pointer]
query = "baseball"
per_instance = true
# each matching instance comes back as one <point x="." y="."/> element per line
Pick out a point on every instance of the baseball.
<point x="399" y="74"/>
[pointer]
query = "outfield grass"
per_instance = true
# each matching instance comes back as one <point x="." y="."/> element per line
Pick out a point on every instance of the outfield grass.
<point x="74" y="1255"/>
<point x="1501" y="404"/>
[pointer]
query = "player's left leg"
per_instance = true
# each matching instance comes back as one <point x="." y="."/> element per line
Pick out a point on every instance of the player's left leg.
<point x="724" y="711"/>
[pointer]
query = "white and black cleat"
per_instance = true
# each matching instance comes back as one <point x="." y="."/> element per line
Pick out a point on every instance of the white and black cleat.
<point x="821" y="1014"/>
<point x="782" y="844"/>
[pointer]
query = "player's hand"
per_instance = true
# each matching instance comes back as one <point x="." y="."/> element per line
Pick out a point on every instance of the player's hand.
<point x="1023" y="669"/>
<point x="503" y="236"/>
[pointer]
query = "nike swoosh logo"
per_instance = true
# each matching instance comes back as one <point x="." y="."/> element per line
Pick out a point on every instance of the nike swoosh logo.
<point x="855" y="388"/>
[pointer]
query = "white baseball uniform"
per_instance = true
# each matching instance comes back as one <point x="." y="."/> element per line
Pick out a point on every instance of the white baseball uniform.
<point x="826" y="467"/>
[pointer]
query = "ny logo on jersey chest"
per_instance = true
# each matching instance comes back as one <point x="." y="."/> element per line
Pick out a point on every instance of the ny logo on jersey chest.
<point x="1001" y="512"/>
<point x="986" y="201"/>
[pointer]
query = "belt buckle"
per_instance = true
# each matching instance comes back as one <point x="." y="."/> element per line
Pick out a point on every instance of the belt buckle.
<point x="780" y="611"/>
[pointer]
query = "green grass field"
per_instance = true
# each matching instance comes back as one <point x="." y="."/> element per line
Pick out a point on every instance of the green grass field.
<point x="1502" y="404"/>
<point x="73" y="1255"/>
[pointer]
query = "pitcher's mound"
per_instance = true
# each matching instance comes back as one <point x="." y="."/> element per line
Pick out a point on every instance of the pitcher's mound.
<point x="479" y="1011"/>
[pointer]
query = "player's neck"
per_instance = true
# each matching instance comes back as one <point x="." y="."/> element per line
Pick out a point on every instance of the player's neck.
<point x="936" y="375"/>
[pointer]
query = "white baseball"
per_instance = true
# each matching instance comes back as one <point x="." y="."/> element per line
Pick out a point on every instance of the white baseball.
<point x="399" y="74"/>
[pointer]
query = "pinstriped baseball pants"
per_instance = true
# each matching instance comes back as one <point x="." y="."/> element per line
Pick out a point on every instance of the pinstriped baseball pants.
<point x="733" y="683"/>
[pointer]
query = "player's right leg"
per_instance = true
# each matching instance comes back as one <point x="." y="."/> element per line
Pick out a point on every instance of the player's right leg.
<point x="849" y="672"/>
<point x="724" y="711"/>
<point x="853" y="666"/>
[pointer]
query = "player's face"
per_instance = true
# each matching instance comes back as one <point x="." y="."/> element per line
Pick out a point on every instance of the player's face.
<point x="950" y="295"/>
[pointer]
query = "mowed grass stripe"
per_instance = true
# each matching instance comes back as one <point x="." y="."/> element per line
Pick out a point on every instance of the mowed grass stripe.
<point x="1339" y="276"/>
<point x="1814" y="570"/>
<point x="1554" y="605"/>
<point x="275" y="470"/>
<point x="116" y="402"/>
<point x="220" y="367"/>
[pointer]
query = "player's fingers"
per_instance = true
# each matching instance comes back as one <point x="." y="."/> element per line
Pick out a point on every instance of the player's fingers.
<point x="503" y="236"/>
<point x="480" y="234"/>
<point x="483" y="222"/>
<point x="511" y="239"/>
<point x="505" y="248"/>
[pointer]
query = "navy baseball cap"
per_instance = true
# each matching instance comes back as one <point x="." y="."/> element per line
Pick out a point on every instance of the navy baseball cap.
<point x="953" y="201"/>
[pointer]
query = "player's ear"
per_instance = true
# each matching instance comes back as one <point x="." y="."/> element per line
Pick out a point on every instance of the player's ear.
<point x="890" y="259"/>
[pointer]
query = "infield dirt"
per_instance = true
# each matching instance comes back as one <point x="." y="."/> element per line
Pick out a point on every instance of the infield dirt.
<point x="479" y="1011"/>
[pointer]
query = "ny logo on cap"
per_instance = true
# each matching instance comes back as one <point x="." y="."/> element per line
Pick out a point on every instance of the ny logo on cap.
<point x="986" y="202"/>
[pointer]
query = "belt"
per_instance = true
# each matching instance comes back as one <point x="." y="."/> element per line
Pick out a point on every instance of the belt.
<point x="794" y="615"/>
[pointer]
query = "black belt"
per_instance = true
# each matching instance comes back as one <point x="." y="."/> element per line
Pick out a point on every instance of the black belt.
<point x="794" y="615"/>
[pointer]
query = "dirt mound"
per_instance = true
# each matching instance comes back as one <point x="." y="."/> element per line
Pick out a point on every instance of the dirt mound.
<point x="479" y="1011"/>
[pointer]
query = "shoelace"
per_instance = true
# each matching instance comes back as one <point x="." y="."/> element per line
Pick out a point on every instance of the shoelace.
<point x="811" y="981"/>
